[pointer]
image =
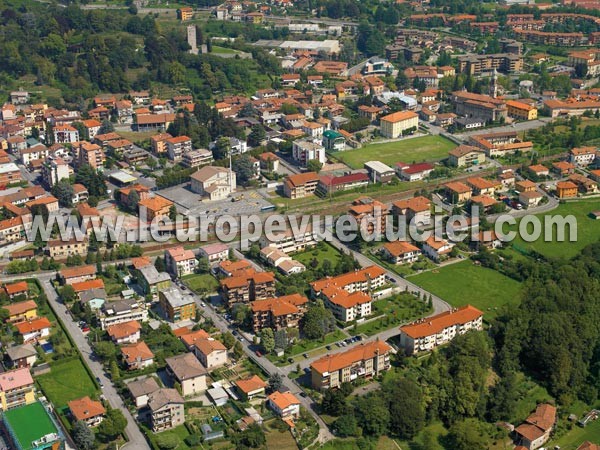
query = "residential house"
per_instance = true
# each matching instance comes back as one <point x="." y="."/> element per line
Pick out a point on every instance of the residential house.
<point x="87" y="410"/>
<point x="65" y="134"/>
<point x="370" y="215"/>
<point x="84" y="286"/>
<point x="539" y="170"/>
<point x="291" y="241"/>
<point x="22" y="356"/>
<point x="180" y="262"/>
<point x="214" y="252"/>
<point x="251" y="387"/>
<point x="21" y="311"/>
<point x="366" y="360"/>
<point x="535" y="431"/>
<point x="59" y="249"/>
<point x="94" y="298"/>
<point x="416" y="210"/>
<point x="278" y="312"/>
<point x="159" y="143"/>
<point x="436" y="249"/>
<point x="176" y="306"/>
<point x="178" y="146"/>
<point x="466" y="155"/>
<point x="16" y="289"/>
<point x="247" y="287"/>
<point x="481" y="186"/>
<point x="149" y="122"/>
<point x="137" y="356"/>
<point x="155" y="208"/>
<point x="521" y="110"/>
<point x="216" y="183"/>
<point x="269" y="162"/>
<point x="140" y="390"/>
<point x="34" y="329"/>
<point x="151" y="280"/>
<point x="188" y="372"/>
<point x="166" y="408"/>
<point x="300" y="185"/>
<point x="566" y="189"/>
<point x="413" y="172"/>
<point x="583" y="156"/>
<point x="284" y="404"/>
<point x="9" y="173"/>
<point x="563" y="168"/>
<point x="71" y="275"/>
<point x="304" y="151"/>
<point x="211" y="352"/>
<point x="16" y="388"/>
<point x="334" y="141"/>
<point x="125" y="332"/>
<point x="400" y="252"/>
<point x="122" y="311"/>
<point x="457" y="192"/>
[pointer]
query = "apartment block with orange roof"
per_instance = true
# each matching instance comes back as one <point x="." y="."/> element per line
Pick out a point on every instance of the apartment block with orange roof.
<point x="415" y="209"/>
<point x="278" y="312"/>
<point x="248" y="286"/>
<point x="347" y="306"/>
<point x="583" y="156"/>
<point x="180" y="261"/>
<point x="155" y="208"/>
<point x="365" y="360"/>
<point x="366" y="280"/>
<point x="159" y="143"/>
<point x="457" y="192"/>
<point x="431" y="332"/>
<point x="397" y="124"/>
<point x="370" y="215"/>
<point x="300" y="185"/>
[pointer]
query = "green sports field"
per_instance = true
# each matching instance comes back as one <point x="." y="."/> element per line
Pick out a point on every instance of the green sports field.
<point x="465" y="283"/>
<point x="29" y="423"/>
<point x="426" y="148"/>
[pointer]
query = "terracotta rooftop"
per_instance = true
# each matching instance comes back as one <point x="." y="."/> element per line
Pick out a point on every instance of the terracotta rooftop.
<point x="398" y="248"/>
<point x="399" y="116"/>
<point x="81" y="271"/>
<point x="16" y="288"/>
<point x="14" y="379"/>
<point x="283" y="400"/>
<point x="362" y="275"/>
<point x="38" y="324"/>
<point x="191" y="337"/>
<point x="280" y="306"/>
<point x="123" y="330"/>
<point x="86" y="408"/>
<point x="136" y="352"/>
<point x="15" y="309"/>
<point x="248" y="385"/>
<point x="435" y="324"/>
<point x="87" y="285"/>
<point x="360" y="352"/>
<point x="416" y="204"/>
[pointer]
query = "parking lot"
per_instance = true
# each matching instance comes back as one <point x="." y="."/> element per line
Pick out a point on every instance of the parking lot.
<point x="246" y="203"/>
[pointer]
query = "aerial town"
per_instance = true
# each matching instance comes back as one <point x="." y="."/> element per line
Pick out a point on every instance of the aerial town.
<point x="479" y="119"/>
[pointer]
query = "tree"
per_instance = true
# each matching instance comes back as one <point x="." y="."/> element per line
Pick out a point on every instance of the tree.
<point x="238" y="350"/>
<point x="159" y="264"/>
<point x="372" y="414"/>
<point x="173" y="213"/>
<point x="228" y="340"/>
<point x="345" y="426"/>
<point x="203" y="265"/>
<point x="64" y="192"/>
<point x="465" y="436"/>
<point x="67" y="294"/>
<point x="115" y="373"/>
<point x="113" y="425"/>
<point x="275" y="382"/>
<point x="253" y="437"/>
<point x="167" y="441"/>
<point x="407" y="412"/>
<point x="221" y="149"/>
<point x="267" y="340"/>
<point x="503" y="398"/>
<point x="106" y="127"/>
<point x="83" y="436"/>
<point x="334" y="402"/>
<point x="257" y="135"/>
<point x="244" y="169"/>
<point x="133" y="198"/>
<point x="105" y="350"/>
<point x="314" y="165"/>
<point x="317" y="322"/>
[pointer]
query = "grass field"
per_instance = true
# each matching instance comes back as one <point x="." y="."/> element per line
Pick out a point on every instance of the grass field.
<point x="588" y="231"/>
<point x="394" y="311"/>
<point x="281" y="440"/>
<point x="201" y="282"/>
<point x="217" y="49"/>
<point x="22" y="419"/>
<point x="464" y="282"/>
<point x="577" y="436"/>
<point x="67" y="381"/>
<point x="321" y="252"/>
<point x="426" y="148"/>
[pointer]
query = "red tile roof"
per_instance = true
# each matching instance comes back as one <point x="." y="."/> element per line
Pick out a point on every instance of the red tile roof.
<point x="435" y="324"/>
<point x="86" y="408"/>
<point x="361" y="352"/>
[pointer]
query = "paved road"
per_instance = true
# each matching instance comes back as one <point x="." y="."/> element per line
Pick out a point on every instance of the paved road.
<point x="136" y="439"/>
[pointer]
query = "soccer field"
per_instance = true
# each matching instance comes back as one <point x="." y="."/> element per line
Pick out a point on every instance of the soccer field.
<point x="426" y="148"/>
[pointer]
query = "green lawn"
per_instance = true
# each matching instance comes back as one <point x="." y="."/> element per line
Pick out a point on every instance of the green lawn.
<point x="577" y="436"/>
<point x="217" y="49"/>
<point x="180" y="433"/>
<point x="320" y="253"/>
<point x="67" y="381"/>
<point x="588" y="231"/>
<point x="426" y="148"/>
<point x="529" y="395"/>
<point x="201" y="282"/>
<point x="464" y="282"/>
<point x="280" y="440"/>
<point x="22" y="419"/>
<point x="395" y="311"/>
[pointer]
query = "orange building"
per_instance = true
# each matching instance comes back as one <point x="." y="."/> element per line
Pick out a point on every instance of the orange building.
<point x="566" y="189"/>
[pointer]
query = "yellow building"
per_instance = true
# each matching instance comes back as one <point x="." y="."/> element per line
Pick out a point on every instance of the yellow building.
<point x="16" y="388"/>
<point x="521" y="111"/>
<point x="21" y="311"/>
<point x="176" y="306"/>
<point x="185" y="13"/>
<point x="396" y="124"/>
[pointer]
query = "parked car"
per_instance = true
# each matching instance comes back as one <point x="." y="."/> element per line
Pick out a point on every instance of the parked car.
<point x="100" y="382"/>
<point x="305" y="355"/>
<point x="258" y="353"/>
